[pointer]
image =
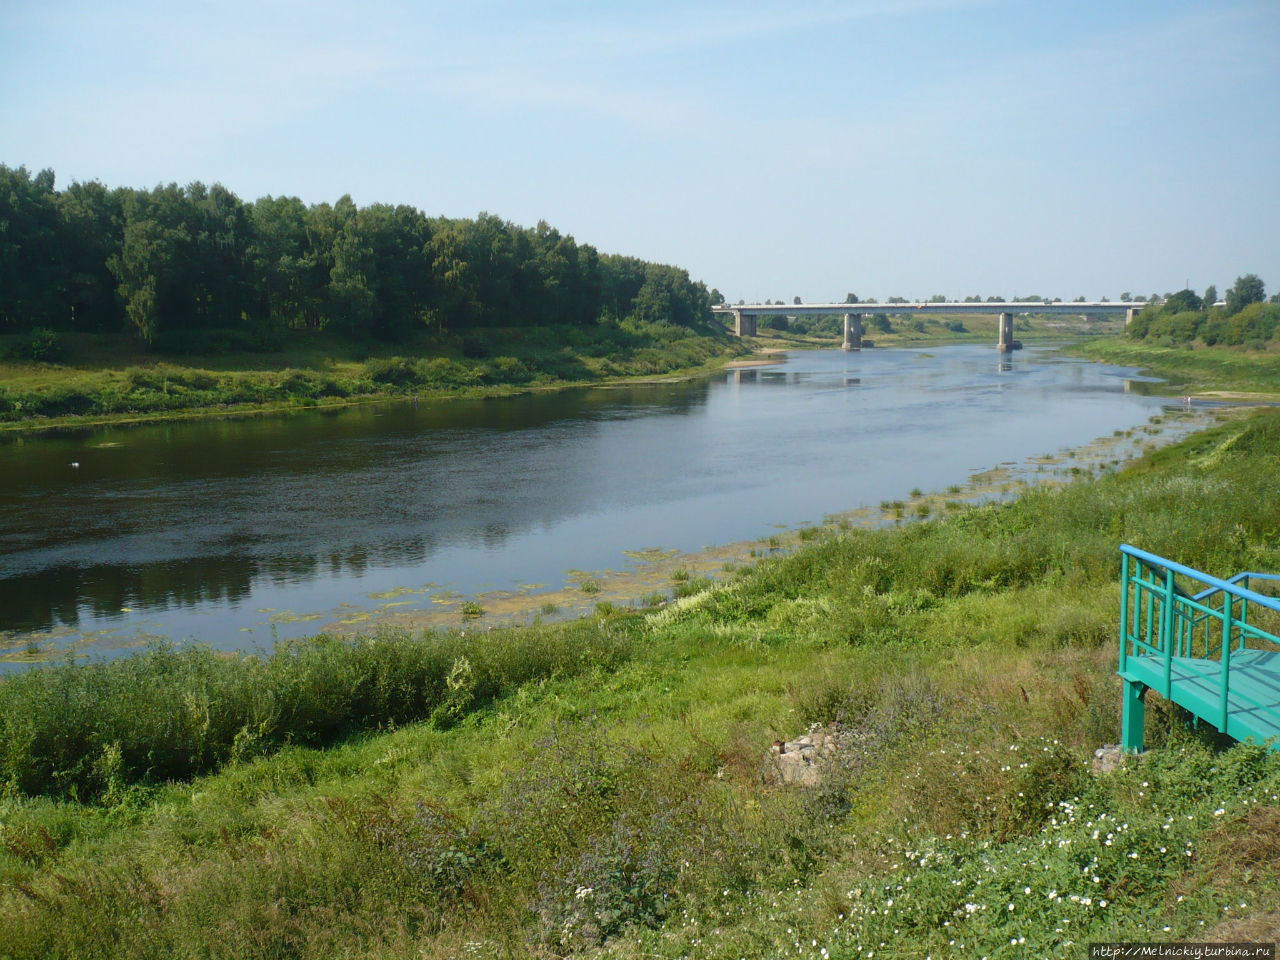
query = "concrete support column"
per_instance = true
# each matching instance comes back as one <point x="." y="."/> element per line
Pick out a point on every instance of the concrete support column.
<point x="1130" y="314"/>
<point x="852" y="331"/>
<point x="1005" y="344"/>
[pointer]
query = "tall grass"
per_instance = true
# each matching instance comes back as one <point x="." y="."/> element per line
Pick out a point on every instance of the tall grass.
<point x="91" y="731"/>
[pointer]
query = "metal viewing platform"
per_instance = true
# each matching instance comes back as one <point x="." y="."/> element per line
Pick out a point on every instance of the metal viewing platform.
<point x="1205" y="651"/>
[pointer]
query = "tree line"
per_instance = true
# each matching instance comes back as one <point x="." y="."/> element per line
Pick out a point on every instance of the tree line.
<point x="1245" y="318"/>
<point x="191" y="267"/>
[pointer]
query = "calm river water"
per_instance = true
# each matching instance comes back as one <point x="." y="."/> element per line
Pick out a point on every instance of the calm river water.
<point x="232" y="532"/>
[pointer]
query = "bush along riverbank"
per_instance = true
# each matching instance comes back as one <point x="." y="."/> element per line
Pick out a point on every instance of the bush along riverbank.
<point x="596" y="787"/>
<point x="102" y="383"/>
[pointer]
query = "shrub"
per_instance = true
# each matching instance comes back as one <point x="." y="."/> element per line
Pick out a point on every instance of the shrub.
<point x="41" y="345"/>
<point x="396" y="371"/>
<point x="428" y="852"/>
<point x="443" y="372"/>
<point x="687" y="588"/>
<point x="510" y="370"/>
<point x="62" y="401"/>
<point x="627" y="876"/>
<point x="299" y="384"/>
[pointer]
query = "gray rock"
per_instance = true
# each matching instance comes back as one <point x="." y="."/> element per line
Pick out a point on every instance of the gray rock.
<point x="1107" y="758"/>
<point x="801" y="761"/>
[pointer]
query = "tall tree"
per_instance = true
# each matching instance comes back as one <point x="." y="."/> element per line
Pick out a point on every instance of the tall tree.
<point x="92" y="231"/>
<point x="1183" y="301"/>
<point x="33" y="274"/>
<point x="280" y="253"/>
<point x="351" y="279"/>
<point x="1246" y="290"/>
<point x="143" y="268"/>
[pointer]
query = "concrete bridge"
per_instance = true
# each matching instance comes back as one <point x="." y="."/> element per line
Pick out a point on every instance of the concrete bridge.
<point x="746" y="316"/>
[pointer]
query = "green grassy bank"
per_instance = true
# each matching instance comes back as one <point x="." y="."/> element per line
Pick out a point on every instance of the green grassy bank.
<point x="105" y="379"/>
<point x="1194" y="370"/>
<point x="595" y="788"/>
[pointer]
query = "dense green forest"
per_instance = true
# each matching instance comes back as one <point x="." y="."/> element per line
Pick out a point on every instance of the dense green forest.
<point x="196" y="269"/>
<point x="1245" y="318"/>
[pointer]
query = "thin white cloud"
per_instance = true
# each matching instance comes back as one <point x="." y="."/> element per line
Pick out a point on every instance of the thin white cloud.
<point x="610" y="66"/>
<point x="708" y="27"/>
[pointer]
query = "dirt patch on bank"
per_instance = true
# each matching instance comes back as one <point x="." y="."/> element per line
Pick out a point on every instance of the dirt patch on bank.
<point x="1237" y="395"/>
<point x="739" y="364"/>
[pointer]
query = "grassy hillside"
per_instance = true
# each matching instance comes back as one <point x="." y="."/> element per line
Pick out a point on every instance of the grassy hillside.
<point x="595" y="787"/>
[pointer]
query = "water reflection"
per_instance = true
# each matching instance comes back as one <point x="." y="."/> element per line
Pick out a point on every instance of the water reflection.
<point x="66" y="594"/>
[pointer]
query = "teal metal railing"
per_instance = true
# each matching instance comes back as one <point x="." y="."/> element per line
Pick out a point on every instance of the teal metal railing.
<point x="1159" y="619"/>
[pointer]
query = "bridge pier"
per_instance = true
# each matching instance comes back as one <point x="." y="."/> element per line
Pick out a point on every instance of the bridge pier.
<point x="1130" y="314"/>
<point x="1006" y="343"/>
<point x="852" y="331"/>
<point x="744" y="324"/>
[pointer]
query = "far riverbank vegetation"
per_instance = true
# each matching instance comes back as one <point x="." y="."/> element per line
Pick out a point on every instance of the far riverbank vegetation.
<point x="1200" y="344"/>
<point x="126" y="301"/>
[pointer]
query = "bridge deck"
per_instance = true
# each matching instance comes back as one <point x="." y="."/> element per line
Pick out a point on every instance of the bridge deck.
<point x="1121" y="307"/>
<point x="1253" y="690"/>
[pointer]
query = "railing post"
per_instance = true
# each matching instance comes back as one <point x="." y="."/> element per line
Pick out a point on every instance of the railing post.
<point x="1166" y="632"/>
<point x="1151" y="612"/>
<point x="1124" y="612"/>
<point x="1226" y="658"/>
<point x="1244" y="611"/>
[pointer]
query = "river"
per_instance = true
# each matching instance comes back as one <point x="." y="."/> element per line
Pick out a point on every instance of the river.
<point x="234" y="532"/>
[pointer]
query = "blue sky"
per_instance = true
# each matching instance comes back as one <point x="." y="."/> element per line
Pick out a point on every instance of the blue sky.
<point x="774" y="149"/>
